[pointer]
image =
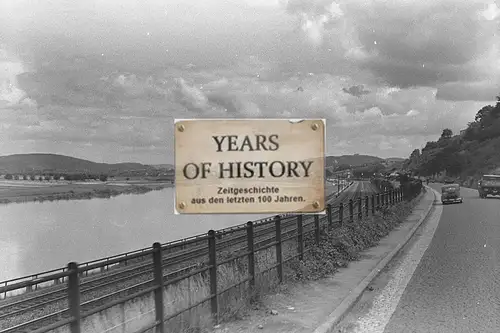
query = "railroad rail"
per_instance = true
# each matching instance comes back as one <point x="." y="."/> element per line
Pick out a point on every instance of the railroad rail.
<point x="134" y="273"/>
<point x="33" y="282"/>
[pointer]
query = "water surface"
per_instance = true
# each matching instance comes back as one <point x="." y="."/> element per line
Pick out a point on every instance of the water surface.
<point x="36" y="237"/>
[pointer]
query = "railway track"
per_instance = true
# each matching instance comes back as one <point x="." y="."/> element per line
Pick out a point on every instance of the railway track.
<point x="44" y="307"/>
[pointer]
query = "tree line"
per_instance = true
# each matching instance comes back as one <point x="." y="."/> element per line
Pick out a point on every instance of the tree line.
<point x="70" y="177"/>
<point x="473" y="152"/>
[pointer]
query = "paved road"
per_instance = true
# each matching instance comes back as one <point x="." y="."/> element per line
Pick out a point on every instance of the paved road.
<point x="446" y="280"/>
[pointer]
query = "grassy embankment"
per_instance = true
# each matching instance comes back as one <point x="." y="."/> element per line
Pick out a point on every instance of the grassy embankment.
<point x="336" y="249"/>
<point x="23" y="191"/>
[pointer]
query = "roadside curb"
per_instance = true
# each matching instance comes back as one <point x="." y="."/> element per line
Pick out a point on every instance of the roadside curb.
<point x="339" y="313"/>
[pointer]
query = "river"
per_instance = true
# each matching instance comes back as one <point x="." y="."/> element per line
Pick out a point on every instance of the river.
<point x="35" y="236"/>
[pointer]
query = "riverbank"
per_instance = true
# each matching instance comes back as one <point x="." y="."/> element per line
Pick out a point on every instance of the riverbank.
<point x="22" y="191"/>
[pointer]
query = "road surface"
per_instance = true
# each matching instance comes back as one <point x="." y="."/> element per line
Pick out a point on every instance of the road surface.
<point x="447" y="279"/>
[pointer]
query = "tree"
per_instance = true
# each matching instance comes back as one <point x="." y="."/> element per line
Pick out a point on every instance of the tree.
<point x="8" y="176"/>
<point x="447" y="133"/>
<point x="483" y="113"/>
<point x="103" y="178"/>
<point x="32" y="177"/>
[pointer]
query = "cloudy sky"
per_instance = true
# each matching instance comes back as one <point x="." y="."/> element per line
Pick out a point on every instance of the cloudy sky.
<point x="104" y="79"/>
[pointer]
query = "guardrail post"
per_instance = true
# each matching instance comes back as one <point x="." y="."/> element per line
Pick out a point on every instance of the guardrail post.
<point x="300" y="238"/>
<point x="212" y="262"/>
<point x="341" y="214"/>
<point x="329" y="215"/>
<point x="373" y="204"/>
<point x="378" y="201"/>
<point x="74" y="297"/>
<point x="251" y="255"/>
<point x="367" y="205"/>
<point x="351" y="210"/>
<point x="360" y="208"/>
<point x="279" y="255"/>
<point x="316" y="228"/>
<point x="158" y="280"/>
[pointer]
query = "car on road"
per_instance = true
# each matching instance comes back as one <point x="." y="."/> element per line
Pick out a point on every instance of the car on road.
<point x="489" y="185"/>
<point x="450" y="193"/>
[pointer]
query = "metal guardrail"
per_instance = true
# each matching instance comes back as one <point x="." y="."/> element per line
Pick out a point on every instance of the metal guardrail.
<point x="254" y="237"/>
<point x="33" y="281"/>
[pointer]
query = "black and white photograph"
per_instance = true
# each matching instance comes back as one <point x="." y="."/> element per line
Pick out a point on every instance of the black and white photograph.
<point x="120" y="212"/>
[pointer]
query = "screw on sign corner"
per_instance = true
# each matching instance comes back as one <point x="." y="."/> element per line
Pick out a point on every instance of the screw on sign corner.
<point x="181" y="128"/>
<point x="314" y="127"/>
<point x="182" y="206"/>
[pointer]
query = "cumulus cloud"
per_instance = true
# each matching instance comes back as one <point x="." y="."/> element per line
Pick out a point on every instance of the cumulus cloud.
<point x="316" y="17"/>
<point x="119" y="82"/>
<point x="411" y="44"/>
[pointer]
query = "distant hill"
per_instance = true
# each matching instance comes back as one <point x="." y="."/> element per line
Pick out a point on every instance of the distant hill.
<point x="38" y="162"/>
<point x="352" y="160"/>
<point x="395" y="159"/>
<point x="163" y="166"/>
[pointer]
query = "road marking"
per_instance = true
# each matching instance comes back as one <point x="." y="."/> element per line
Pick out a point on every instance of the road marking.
<point x="387" y="301"/>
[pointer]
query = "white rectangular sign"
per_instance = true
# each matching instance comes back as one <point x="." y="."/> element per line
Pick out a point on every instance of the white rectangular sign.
<point x="249" y="166"/>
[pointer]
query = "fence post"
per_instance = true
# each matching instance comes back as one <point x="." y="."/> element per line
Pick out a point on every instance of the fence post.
<point x="300" y="238"/>
<point x="329" y="215"/>
<point x="251" y="255"/>
<point x="74" y="297"/>
<point x="316" y="228"/>
<point x="360" y="208"/>
<point x="351" y="210"/>
<point x="279" y="255"/>
<point x="341" y="214"/>
<point x="212" y="262"/>
<point x="373" y="204"/>
<point x="158" y="278"/>
<point x="367" y="205"/>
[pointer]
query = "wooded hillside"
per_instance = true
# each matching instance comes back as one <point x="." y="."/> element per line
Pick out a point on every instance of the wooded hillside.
<point x="475" y="151"/>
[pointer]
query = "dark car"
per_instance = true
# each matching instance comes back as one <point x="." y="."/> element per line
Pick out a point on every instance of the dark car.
<point x="450" y="193"/>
